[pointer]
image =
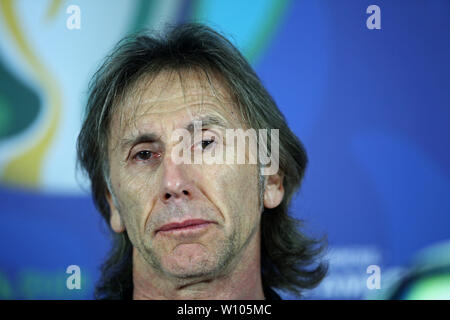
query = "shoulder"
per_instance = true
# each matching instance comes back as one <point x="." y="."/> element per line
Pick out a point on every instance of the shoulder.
<point x="270" y="294"/>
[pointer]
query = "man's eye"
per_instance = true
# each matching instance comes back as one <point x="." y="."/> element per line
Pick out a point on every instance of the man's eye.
<point x="206" y="143"/>
<point x="145" y="155"/>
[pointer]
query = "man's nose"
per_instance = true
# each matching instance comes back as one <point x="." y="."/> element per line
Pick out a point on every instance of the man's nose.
<point x="176" y="184"/>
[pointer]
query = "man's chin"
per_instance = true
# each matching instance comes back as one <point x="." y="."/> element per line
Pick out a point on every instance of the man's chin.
<point x="190" y="261"/>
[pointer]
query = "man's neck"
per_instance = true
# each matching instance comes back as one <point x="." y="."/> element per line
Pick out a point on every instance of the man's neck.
<point x="243" y="282"/>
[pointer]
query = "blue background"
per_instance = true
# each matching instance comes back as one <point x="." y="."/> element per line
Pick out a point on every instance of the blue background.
<point x="373" y="110"/>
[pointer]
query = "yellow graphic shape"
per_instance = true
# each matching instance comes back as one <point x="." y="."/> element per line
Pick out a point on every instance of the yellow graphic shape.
<point x="25" y="168"/>
<point x="53" y="9"/>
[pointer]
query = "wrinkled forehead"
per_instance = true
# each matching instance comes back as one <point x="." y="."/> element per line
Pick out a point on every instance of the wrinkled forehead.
<point x="171" y="93"/>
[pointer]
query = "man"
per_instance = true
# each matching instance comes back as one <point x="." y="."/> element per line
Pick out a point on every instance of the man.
<point x="199" y="229"/>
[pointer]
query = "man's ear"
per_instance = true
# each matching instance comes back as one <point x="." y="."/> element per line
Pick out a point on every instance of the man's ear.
<point x="115" y="219"/>
<point x="274" y="191"/>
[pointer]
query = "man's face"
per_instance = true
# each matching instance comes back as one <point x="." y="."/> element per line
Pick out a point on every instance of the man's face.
<point x="156" y="200"/>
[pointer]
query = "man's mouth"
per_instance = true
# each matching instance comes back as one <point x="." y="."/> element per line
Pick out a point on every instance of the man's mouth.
<point x="188" y="225"/>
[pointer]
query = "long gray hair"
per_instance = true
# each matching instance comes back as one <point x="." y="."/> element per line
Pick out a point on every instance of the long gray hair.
<point x="290" y="260"/>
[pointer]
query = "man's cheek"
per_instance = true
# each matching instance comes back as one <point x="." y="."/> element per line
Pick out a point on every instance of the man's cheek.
<point x="245" y="195"/>
<point x="135" y="182"/>
<point x="129" y="195"/>
<point x="232" y="196"/>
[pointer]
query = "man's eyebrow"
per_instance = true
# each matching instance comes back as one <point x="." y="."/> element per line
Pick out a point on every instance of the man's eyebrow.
<point x="141" y="138"/>
<point x="207" y="121"/>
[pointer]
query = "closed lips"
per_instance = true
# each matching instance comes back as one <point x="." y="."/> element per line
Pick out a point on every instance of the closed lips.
<point x="181" y="225"/>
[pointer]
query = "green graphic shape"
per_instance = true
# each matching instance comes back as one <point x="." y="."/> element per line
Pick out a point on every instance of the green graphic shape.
<point x="19" y="104"/>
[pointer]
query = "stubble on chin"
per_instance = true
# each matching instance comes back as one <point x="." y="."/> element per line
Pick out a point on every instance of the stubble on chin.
<point x="214" y="262"/>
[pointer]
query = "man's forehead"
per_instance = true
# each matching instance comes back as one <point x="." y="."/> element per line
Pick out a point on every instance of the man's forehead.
<point x="170" y="89"/>
<point x="173" y="82"/>
<point x="172" y="96"/>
